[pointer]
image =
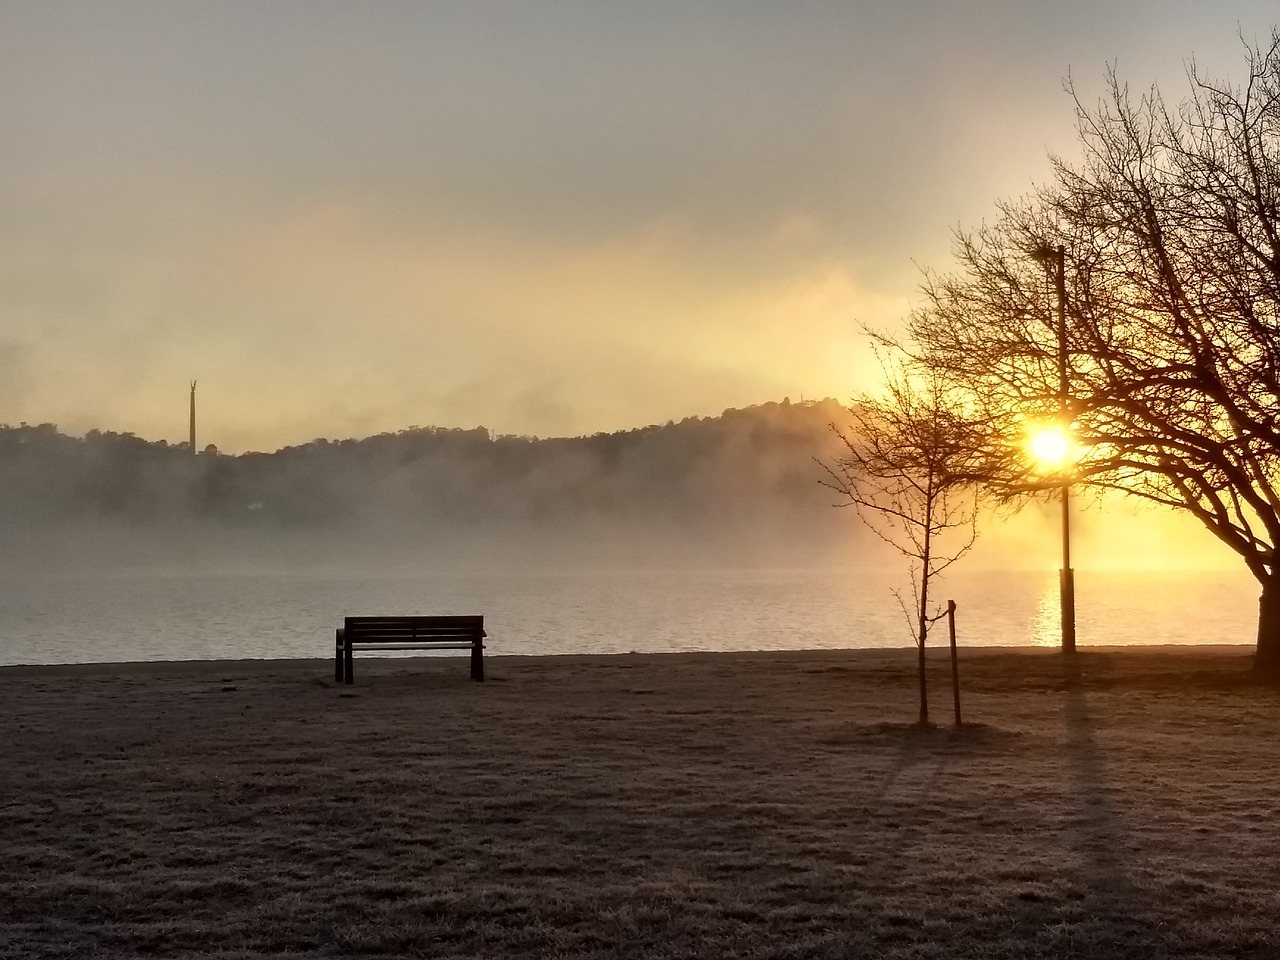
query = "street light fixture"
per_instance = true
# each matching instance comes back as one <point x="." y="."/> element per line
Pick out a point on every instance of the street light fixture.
<point x="1054" y="260"/>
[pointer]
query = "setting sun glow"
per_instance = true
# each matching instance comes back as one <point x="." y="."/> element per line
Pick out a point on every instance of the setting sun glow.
<point x="1051" y="447"/>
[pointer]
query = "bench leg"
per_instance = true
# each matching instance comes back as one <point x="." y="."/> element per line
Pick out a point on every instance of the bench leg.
<point x="477" y="662"/>
<point x="351" y="673"/>
<point x="337" y="656"/>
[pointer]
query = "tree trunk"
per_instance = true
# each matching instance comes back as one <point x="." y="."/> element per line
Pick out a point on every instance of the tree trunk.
<point x="1267" y="657"/>
<point x="924" y="604"/>
<point x="920" y="672"/>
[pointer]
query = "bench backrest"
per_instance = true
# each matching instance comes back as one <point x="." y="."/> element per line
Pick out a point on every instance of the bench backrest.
<point x="420" y="629"/>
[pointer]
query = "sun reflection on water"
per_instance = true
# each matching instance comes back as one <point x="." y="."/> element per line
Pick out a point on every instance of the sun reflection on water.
<point x="1046" y="624"/>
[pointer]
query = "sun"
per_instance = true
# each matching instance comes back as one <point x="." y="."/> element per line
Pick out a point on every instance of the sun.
<point x="1051" y="446"/>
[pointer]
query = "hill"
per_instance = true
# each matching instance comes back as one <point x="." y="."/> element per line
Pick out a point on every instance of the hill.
<point x="748" y="473"/>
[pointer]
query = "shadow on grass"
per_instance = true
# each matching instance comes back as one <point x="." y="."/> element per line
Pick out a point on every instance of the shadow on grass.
<point x="913" y="740"/>
<point x="1110" y="904"/>
<point x="1098" y="911"/>
<point x="1101" y="836"/>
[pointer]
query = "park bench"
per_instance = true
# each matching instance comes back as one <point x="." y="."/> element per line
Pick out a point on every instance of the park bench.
<point x="408" y="633"/>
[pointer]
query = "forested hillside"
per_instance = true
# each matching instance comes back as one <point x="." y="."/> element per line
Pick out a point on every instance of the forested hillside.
<point x="750" y="469"/>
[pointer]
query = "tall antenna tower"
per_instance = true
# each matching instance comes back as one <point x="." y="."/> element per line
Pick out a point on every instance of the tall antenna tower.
<point x="193" y="417"/>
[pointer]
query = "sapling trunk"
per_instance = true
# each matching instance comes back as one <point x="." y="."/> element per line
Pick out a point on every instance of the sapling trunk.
<point x="955" y="667"/>
<point x="924" y="605"/>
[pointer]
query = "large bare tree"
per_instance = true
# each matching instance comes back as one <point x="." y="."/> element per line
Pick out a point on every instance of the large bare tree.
<point x="1168" y="228"/>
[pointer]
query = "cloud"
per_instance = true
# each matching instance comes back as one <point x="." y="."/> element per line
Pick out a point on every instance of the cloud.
<point x="15" y="377"/>
<point x="544" y="220"/>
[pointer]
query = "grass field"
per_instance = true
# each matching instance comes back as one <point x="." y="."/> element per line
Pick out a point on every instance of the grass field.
<point x="727" y="805"/>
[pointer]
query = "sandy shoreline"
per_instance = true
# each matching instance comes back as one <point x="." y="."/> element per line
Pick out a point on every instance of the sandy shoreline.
<point x="643" y="805"/>
<point x="207" y="667"/>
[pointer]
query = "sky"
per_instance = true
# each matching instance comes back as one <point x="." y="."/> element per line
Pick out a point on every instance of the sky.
<point x="546" y="218"/>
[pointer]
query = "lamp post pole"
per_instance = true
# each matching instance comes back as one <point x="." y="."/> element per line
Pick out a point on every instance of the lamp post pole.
<point x="1066" y="576"/>
<point x="1055" y="260"/>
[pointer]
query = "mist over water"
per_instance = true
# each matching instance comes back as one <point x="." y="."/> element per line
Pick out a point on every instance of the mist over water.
<point x="284" y="599"/>
<point x="710" y="534"/>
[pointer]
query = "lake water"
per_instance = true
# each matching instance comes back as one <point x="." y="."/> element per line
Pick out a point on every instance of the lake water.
<point x="177" y="614"/>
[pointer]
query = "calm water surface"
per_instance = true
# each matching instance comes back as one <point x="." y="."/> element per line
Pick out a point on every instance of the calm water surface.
<point x="185" y="615"/>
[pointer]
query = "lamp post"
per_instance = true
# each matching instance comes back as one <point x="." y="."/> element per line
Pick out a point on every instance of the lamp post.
<point x="1054" y="259"/>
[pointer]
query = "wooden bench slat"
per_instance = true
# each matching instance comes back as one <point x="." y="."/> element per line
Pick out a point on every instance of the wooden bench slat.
<point x="417" y="646"/>
<point x="425" y="637"/>
<point x="467" y="624"/>
<point x="357" y="631"/>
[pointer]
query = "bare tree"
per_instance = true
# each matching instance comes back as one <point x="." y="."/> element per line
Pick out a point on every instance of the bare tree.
<point x="913" y="458"/>
<point x="1170" y="232"/>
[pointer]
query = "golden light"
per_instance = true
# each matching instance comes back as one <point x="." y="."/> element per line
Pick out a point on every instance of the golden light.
<point x="1051" y="446"/>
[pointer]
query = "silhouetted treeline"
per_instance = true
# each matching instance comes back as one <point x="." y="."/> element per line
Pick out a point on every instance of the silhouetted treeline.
<point x="745" y="468"/>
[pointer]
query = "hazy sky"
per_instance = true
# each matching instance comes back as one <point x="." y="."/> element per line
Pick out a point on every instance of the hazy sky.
<point x="541" y="217"/>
